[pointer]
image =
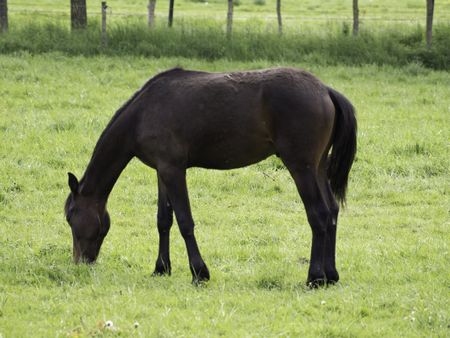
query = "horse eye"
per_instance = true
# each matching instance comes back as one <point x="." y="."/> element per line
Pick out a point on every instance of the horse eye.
<point x="70" y="213"/>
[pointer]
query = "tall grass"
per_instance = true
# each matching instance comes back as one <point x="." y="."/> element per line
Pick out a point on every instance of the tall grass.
<point x="206" y="40"/>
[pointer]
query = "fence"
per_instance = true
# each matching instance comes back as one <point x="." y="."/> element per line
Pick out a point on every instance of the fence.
<point x="28" y="8"/>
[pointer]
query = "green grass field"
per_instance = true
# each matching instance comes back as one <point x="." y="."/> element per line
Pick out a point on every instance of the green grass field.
<point x="392" y="241"/>
<point x="58" y="92"/>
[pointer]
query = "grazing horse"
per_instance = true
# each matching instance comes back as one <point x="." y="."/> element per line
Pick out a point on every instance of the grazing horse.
<point x="181" y="119"/>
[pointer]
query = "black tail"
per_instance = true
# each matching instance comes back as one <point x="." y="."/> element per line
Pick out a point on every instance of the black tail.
<point x="344" y="145"/>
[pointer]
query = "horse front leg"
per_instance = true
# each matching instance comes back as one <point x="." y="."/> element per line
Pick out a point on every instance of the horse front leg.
<point x="164" y="221"/>
<point x="174" y="180"/>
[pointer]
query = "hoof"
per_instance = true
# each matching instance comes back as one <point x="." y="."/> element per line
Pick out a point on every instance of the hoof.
<point x="200" y="275"/>
<point x="332" y="277"/>
<point x="162" y="269"/>
<point x="316" y="283"/>
<point x="160" y="273"/>
<point x="316" y="280"/>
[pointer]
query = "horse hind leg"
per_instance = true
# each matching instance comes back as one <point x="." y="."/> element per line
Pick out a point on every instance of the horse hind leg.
<point x="319" y="218"/>
<point x="331" y="272"/>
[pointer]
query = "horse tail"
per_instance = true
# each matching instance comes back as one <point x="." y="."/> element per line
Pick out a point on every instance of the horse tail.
<point x="344" y="145"/>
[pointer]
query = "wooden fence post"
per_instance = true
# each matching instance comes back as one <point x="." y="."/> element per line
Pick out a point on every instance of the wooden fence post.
<point x="355" y="17"/>
<point x="430" y="10"/>
<point x="280" y="23"/>
<point x="104" y="36"/>
<point x="151" y="12"/>
<point x="3" y="16"/>
<point x="78" y="14"/>
<point x="230" y="18"/>
<point x="171" y="3"/>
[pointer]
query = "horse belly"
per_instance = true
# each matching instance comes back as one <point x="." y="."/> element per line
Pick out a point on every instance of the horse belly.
<point x="231" y="151"/>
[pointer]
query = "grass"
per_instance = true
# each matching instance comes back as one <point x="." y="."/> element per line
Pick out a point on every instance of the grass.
<point x="392" y="241"/>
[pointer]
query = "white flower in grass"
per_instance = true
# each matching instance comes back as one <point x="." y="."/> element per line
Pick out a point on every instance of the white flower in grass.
<point x="109" y="324"/>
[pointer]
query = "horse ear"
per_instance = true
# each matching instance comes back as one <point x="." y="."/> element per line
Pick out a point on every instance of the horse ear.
<point x="73" y="183"/>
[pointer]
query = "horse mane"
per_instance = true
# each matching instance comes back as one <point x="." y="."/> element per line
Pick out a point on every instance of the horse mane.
<point x="132" y="99"/>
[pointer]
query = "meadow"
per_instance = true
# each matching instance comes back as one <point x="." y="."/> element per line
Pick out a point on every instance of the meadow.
<point x="56" y="96"/>
<point x="392" y="241"/>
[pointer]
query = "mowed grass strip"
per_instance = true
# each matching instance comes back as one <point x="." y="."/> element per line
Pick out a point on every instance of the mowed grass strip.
<point x="392" y="249"/>
<point x="295" y="13"/>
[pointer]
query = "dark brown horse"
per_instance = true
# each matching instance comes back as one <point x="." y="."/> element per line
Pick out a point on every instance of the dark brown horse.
<point x="181" y="119"/>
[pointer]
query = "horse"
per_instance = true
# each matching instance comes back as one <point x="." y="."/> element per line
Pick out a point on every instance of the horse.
<point x="183" y="118"/>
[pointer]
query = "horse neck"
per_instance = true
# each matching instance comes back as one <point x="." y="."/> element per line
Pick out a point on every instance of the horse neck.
<point x="111" y="155"/>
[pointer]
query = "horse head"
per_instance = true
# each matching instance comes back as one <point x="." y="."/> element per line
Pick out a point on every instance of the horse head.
<point x="89" y="221"/>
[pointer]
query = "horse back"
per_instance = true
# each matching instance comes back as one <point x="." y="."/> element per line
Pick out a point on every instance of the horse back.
<point x="228" y="120"/>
